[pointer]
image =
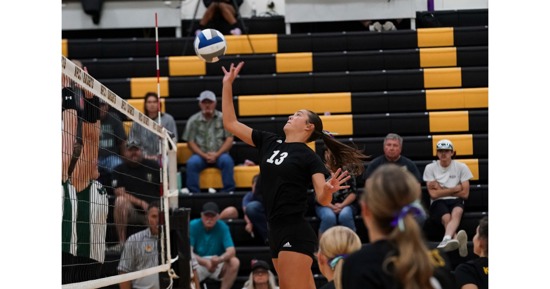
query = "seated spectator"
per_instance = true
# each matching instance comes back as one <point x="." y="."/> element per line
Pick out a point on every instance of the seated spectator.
<point x="397" y="255"/>
<point x="393" y="144"/>
<point x="448" y="185"/>
<point x="474" y="274"/>
<point x="210" y="144"/>
<point x="254" y="212"/>
<point x="212" y="246"/>
<point x="112" y="142"/>
<point x="335" y="245"/>
<point x="141" y="252"/>
<point x="224" y="8"/>
<point x="136" y="183"/>
<point x="342" y="209"/>
<point x="148" y="139"/>
<point x="260" y="277"/>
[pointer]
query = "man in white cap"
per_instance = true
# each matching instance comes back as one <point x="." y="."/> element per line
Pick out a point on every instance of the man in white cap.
<point x="448" y="184"/>
<point x="210" y="144"/>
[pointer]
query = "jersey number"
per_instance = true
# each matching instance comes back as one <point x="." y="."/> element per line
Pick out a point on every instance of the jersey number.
<point x="278" y="160"/>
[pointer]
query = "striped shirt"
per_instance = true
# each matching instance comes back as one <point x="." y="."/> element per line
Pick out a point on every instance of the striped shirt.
<point x="141" y="252"/>
<point x="84" y="221"/>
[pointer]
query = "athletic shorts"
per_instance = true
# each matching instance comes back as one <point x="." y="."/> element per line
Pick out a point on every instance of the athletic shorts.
<point x="203" y="272"/>
<point x="441" y="207"/>
<point x="295" y="237"/>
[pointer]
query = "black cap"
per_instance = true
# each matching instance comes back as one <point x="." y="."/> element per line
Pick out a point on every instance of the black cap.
<point x="259" y="264"/>
<point x="210" y="207"/>
<point x="133" y="143"/>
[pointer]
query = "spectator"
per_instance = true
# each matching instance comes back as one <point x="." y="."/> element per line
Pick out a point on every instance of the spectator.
<point x="342" y="209"/>
<point x="474" y="274"/>
<point x="288" y="168"/>
<point x="210" y="144"/>
<point x="141" y="252"/>
<point x="136" y="183"/>
<point x="393" y="144"/>
<point x="397" y="255"/>
<point x="84" y="200"/>
<point x="112" y="141"/>
<point x="335" y="245"/>
<point x="448" y="185"/>
<point x="148" y="139"/>
<point x="375" y="25"/>
<point x="260" y="277"/>
<point x="224" y="8"/>
<point x="212" y="246"/>
<point x="254" y="212"/>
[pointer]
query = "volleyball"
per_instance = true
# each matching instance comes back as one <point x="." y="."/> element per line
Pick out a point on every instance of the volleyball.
<point x="210" y="45"/>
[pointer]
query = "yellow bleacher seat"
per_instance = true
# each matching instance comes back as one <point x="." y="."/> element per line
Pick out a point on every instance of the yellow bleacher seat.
<point x="212" y="177"/>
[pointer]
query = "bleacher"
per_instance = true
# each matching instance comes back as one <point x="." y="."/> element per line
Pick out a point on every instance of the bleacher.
<point x="424" y="84"/>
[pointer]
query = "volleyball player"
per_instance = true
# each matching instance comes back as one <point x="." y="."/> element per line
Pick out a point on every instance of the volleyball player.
<point x="84" y="200"/>
<point x="288" y="167"/>
<point x="397" y="255"/>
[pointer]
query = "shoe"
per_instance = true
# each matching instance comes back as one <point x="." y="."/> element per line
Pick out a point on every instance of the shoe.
<point x="212" y="190"/>
<point x="184" y="191"/>
<point x="236" y="31"/>
<point x="376" y="27"/>
<point x="448" y="245"/>
<point x="462" y="238"/>
<point x="388" y="26"/>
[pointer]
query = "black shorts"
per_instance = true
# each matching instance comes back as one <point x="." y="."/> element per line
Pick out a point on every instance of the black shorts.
<point x="208" y="2"/>
<point x="441" y="207"/>
<point x="296" y="237"/>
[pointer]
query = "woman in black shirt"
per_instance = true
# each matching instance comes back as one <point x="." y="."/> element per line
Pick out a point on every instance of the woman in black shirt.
<point x="397" y="255"/>
<point x="288" y="167"/>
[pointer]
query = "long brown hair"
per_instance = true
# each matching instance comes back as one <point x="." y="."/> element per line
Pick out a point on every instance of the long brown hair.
<point x="343" y="155"/>
<point x="392" y="195"/>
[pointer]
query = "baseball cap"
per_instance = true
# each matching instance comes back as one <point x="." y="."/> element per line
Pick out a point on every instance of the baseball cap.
<point x="444" y="144"/>
<point x="207" y="94"/>
<point x="133" y="143"/>
<point x="259" y="264"/>
<point x="210" y="207"/>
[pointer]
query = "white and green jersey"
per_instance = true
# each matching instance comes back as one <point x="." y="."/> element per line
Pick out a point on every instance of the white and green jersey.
<point x="84" y="224"/>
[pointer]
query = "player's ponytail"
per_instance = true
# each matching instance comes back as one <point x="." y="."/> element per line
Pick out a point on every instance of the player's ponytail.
<point x="344" y="156"/>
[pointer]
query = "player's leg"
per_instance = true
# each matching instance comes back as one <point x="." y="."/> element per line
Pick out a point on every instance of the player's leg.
<point x="294" y="270"/>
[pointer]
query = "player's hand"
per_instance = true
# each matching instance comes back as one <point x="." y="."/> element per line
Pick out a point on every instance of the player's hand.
<point x="334" y="184"/>
<point x="232" y="73"/>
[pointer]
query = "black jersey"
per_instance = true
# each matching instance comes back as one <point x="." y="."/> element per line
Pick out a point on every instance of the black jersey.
<point x="473" y="272"/>
<point x="364" y="268"/>
<point x="142" y="181"/>
<point x="285" y="174"/>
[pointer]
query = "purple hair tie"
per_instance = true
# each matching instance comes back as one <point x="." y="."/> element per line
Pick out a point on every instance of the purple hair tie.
<point x="328" y="133"/>
<point x="415" y="208"/>
<point x="332" y="262"/>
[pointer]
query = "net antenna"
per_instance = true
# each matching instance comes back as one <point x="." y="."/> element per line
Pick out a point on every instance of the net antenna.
<point x="80" y="78"/>
<point x="171" y="200"/>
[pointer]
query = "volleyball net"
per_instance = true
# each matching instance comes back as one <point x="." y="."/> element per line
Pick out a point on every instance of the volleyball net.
<point x="111" y="231"/>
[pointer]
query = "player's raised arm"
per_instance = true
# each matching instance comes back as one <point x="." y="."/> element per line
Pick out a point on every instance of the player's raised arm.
<point x="230" y="122"/>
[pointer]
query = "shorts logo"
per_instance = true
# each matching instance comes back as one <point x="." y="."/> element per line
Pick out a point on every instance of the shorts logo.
<point x="287" y="245"/>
